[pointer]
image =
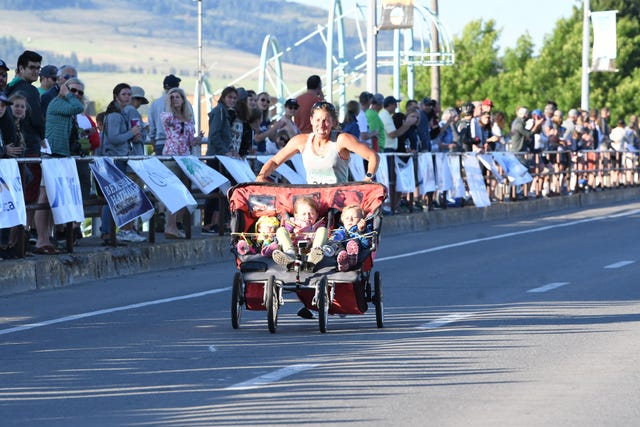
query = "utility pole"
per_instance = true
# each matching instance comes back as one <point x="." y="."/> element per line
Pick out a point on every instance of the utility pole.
<point x="372" y="48"/>
<point x="586" y="31"/>
<point x="435" y="70"/>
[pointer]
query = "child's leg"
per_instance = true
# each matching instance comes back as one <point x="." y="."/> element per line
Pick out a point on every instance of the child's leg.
<point x="320" y="237"/>
<point x="284" y="240"/>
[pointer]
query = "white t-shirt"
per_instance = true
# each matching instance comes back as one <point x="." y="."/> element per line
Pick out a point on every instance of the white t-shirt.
<point x="389" y="126"/>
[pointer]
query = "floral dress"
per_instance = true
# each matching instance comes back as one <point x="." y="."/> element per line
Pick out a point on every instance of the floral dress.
<point x="180" y="135"/>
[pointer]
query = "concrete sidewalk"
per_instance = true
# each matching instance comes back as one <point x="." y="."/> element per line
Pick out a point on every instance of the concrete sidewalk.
<point x="92" y="261"/>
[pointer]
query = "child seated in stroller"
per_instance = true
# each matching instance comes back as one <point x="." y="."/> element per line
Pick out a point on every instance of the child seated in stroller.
<point x="301" y="227"/>
<point x="265" y="241"/>
<point x="353" y="231"/>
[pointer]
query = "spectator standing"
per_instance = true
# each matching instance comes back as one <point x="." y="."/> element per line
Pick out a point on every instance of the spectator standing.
<point x="219" y="144"/>
<point x="389" y="106"/>
<point x="48" y="78"/>
<point x="60" y="129"/>
<point x="8" y="149"/>
<point x="116" y="141"/>
<point x="520" y="135"/>
<point x="375" y="124"/>
<point x="134" y="117"/>
<point x="4" y="75"/>
<point x="306" y="101"/>
<point x="366" y="134"/>
<point x="180" y="139"/>
<point x="156" y="129"/>
<point x="290" y="110"/>
<point x="32" y="121"/>
<point x="350" y="123"/>
<point x="65" y="73"/>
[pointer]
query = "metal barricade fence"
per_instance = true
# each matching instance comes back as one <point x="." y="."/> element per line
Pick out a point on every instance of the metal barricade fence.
<point x="585" y="170"/>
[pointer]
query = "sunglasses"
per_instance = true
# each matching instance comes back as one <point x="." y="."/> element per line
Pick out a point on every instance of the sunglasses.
<point x="34" y="67"/>
<point x="69" y="76"/>
<point x="323" y="105"/>
<point x="266" y="100"/>
<point x="76" y="91"/>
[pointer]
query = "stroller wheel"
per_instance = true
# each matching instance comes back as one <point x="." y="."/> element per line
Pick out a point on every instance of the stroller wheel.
<point x="237" y="297"/>
<point x="272" y="302"/>
<point x="378" y="299"/>
<point x="323" y="304"/>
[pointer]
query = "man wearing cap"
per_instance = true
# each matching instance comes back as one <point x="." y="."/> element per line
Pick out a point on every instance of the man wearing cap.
<point x="428" y="127"/>
<point x="48" y="76"/>
<point x="486" y="106"/>
<point x="389" y="106"/>
<point x="156" y="129"/>
<point x="133" y="117"/>
<point x="4" y="75"/>
<point x="65" y="73"/>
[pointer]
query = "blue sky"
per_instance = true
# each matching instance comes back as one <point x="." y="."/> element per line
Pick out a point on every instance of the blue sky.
<point x="514" y="17"/>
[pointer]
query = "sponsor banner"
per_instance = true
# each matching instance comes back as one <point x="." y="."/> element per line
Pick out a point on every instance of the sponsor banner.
<point x="127" y="202"/>
<point x="456" y="174"/>
<point x="164" y="184"/>
<point x="382" y="175"/>
<point x="489" y="163"/>
<point x="475" y="181"/>
<point x="289" y="174"/>
<point x="60" y="177"/>
<point x="13" y="211"/>
<point x="603" y="53"/>
<point x="426" y="173"/>
<point x="239" y="169"/>
<point x="205" y="178"/>
<point x="444" y="180"/>
<point x="516" y="172"/>
<point x="405" y="175"/>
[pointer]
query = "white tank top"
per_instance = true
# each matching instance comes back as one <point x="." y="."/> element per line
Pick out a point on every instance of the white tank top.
<point x="327" y="169"/>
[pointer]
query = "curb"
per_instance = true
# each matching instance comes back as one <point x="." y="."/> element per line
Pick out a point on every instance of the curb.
<point x="98" y="263"/>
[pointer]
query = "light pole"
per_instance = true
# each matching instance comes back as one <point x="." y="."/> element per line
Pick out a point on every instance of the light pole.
<point x="584" y="102"/>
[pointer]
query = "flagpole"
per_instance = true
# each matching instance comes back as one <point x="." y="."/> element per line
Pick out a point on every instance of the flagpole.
<point x="586" y="31"/>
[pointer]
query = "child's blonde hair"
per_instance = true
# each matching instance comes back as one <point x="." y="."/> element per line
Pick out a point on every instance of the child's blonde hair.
<point x="267" y="220"/>
<point x="354" y="207"/>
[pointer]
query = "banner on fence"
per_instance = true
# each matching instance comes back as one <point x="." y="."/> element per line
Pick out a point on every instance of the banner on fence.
<point x="382" y="175"/>
<point x="475" y="181"/>
<point x="426" y="173"/>
<point x="444" y="180"/>
<point x="289" y="174"/>
<point x="516" y="172"/>
<point x="489" y="163"/>
<point x="164" y="184"/>
<point x="13" y="211"/>
<point x="126" y="200"/>
<point x="239" y="169"/>
<point x="60" y="177"/>
<point x="456" y="175"/>
<point x="405" y="174"/>
<point x="205" y="178"/>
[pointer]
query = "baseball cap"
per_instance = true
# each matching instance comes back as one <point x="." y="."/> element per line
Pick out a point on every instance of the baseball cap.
<point x="378" y="99"/>
<point x="389" y="100"/>
<point x="171" y="81"/>
<point x="487" y="102"/>
<point x="138" y="92"/>
<point x="4" y="99"/>
<point x="537" y="112"/>
<point x="50" y="71"/>
<point x="292" y="103"/>
<point x="3" y="65"/>
<point x="428" y="101"/>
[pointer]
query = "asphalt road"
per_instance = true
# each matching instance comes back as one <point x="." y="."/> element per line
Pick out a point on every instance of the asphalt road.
<point x="533" y="323"/>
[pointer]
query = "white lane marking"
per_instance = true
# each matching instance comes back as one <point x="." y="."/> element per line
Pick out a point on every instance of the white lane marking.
<point x="109" y="310"/>
<point x="548" y="287"/>
<point x="271" y="377"/>
<point x="442" y="321"/>
<point x="504" y="236"/>
<point x="619" y="264"/>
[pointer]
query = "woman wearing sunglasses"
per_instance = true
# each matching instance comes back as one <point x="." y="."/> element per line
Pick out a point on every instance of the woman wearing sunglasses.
<point x="325" y="153"/>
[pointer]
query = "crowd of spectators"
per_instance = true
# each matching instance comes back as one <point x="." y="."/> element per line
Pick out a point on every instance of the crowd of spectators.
<point x="564" y="152"/>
